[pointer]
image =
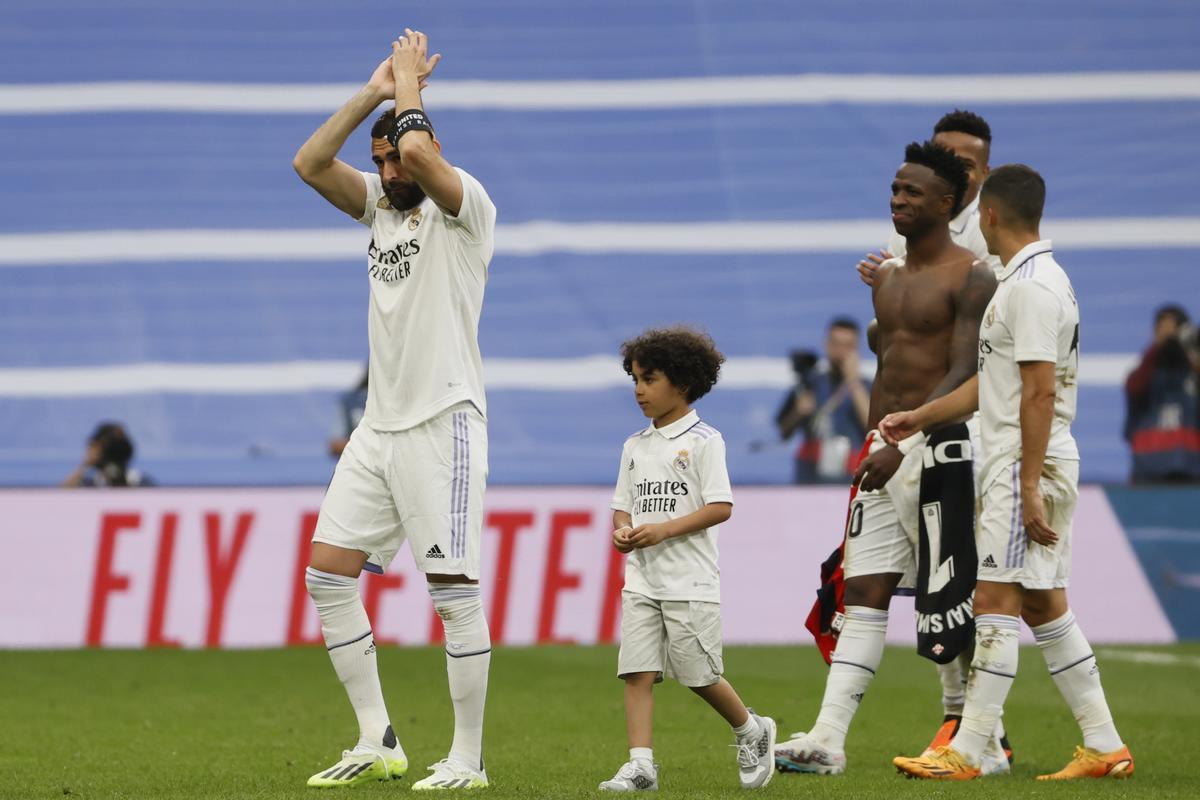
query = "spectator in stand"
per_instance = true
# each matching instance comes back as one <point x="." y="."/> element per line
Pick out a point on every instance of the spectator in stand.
<point x="829" y="405"/>
<point x="1162" y="422"/>
<point x="351" y="406"/>
<point x="106" y="460"/>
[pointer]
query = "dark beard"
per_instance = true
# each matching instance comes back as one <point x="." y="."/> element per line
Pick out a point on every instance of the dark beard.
<point x="406" y="196"/>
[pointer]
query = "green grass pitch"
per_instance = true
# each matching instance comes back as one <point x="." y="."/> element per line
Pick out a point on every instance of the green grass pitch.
<point x="256" y="724"/>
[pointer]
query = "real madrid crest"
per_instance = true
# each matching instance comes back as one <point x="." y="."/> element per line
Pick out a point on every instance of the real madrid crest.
<point x="681" y="460"/>
<point x="414" y="219"/>
<point x="991" y="317"/>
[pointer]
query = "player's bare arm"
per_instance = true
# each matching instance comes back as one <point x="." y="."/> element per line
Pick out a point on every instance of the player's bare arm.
<point x="970" y="302"/>
<point x="653" y="533"/>
<point x="419" y="151"/>
<point x="876" y="470"/>
<point x="317" y="163"/>
<point x="1037" y="412"/>
<point x="963" y="401"/>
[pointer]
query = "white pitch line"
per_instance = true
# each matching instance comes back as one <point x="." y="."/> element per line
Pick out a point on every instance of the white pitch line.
<point x="1149" y="657"/>
<point x="539" y="238"/>
<point x="586" y="373"/>
<point x="602" y="95"/>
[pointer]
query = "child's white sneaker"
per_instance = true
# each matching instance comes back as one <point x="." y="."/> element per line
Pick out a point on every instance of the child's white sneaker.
<point x="633" y="776"/>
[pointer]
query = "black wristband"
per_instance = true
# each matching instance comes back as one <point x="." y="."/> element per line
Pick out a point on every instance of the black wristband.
<point x="412" y="120"/>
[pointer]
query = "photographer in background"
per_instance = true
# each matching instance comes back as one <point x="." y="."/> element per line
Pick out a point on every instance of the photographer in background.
<point x="1162" y="422"/>
<point x="830" y="405"/>
<point x="106" y="460"/>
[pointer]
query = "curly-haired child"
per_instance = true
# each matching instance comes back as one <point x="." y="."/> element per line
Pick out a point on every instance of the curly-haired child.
<point x="672" y="493"/>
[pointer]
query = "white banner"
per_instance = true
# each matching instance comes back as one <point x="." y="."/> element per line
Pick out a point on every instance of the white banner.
<point x="225" y="567"/>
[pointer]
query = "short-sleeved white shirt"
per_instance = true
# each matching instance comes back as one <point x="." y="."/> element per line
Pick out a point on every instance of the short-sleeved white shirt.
<point x="964" y="232"/>
<point x="1033" y="316"/>
<point x="427" y="271"/>
<point x="667" y="473"/>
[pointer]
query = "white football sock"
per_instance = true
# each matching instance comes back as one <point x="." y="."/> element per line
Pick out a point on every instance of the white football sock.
<point x="748" y="729"/>
<point x="644" y="754"/>
<point x="992" y="674"/>
<point x="468" y="656"/>
<point x="954" y="683"/>
<point x="855" y="660"/>
<point x="351" y="646"/>
<point x="1073" y="667"/>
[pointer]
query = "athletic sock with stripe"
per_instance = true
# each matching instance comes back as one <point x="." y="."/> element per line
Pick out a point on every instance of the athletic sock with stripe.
<point x="992" y="674"/>
<point x="855" y="660"/>
<point x="468" y="657"/>
<point x="1073" y="666"/>
<point x="351" y="646"/>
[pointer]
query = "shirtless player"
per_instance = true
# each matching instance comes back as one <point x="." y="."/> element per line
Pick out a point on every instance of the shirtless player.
<point x="929" y="308"/>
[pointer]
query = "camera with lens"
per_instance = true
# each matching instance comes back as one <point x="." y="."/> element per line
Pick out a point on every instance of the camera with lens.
<point x="803" y="364"/>
<point x="114" y="452"/>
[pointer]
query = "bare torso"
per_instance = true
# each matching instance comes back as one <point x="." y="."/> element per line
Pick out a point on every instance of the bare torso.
<point x="915" y="309"/>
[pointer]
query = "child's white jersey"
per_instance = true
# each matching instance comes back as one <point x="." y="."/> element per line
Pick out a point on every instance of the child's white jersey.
<point x="667" y="473"/>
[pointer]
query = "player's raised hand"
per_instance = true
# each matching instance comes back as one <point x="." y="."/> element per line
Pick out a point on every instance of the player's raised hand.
<point x="410" y="60"/>
<point x="877" y="469"/>
<point x="899" y="425"/>
<point x="1034" y="513"/>
<point x="870" y="265"/>
<point x="382" y="82"/>
<point x="621" y="539"/>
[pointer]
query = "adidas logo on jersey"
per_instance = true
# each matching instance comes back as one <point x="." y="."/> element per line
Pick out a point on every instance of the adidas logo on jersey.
<point x="435" y="552"/>
<point x="989" y="562"/>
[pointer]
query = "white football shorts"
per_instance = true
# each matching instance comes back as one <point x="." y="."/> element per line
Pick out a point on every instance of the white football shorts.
<point x="1005" y="553"/>
<point x="424" y="485"/>
<point x="883" y="532"/>
<point x="681" y="638"/>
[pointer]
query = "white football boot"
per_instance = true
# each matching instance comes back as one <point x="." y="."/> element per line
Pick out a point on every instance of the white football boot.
<point x="803" y="753"/>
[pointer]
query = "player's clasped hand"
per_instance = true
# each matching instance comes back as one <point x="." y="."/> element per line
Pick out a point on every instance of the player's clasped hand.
<point x="1036" y="527"/>
<point x="648" y="535"/>
<point x="877" y="469"/>
<point x="621" y="539"/>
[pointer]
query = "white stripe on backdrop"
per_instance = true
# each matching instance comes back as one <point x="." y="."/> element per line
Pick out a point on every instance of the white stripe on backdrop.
<point x="586" y="373"/>
<point x="704" y="92"/>
<point x="537" y="238"/>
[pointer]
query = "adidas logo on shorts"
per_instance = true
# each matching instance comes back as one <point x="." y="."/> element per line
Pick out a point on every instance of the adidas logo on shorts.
<point x="989" y="562"/>
<point x="436" y="552"/>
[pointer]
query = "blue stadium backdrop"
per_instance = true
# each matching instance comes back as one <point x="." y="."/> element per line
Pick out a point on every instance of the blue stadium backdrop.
<point x="695" y="175"/>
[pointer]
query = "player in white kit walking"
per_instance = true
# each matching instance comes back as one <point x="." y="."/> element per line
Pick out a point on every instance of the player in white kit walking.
<point x="1025" y="391"/>
<point x="416" y="465"/>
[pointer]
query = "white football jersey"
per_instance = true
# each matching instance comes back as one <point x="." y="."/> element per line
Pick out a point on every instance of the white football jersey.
<point x="1033" y="316"/>
<point x="427" y="271"/>
<point x="964" y="232"/>
<point x="667" y="473"/>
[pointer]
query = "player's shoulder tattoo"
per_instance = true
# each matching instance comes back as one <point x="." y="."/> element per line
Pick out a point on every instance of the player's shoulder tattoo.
<point x="977" y="289"/>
